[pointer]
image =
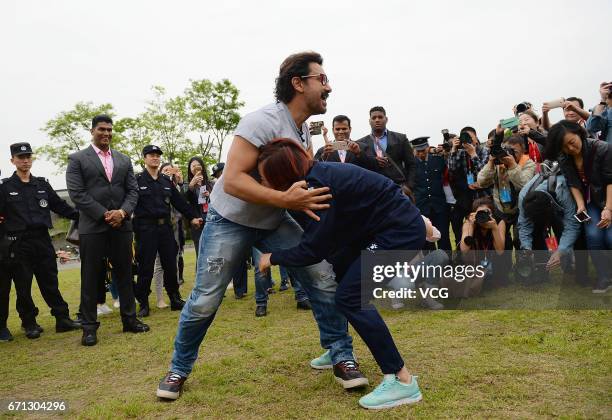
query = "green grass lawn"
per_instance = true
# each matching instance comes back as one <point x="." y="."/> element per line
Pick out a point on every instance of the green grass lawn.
<point x="483" y="364"/>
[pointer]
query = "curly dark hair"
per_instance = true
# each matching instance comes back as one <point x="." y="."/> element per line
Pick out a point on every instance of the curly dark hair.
<point x="296" y="65"/>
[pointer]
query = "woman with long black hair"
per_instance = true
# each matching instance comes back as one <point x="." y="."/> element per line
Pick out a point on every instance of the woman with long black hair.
<point x="197" y="192"/>
<point x="367" y="211"/>
<point x="587" y="166"/>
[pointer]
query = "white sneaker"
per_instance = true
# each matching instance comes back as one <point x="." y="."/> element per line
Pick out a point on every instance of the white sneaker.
<point x="116" y="303"/>
<point x="103" y="309"/>
<point x="161" y="304"/>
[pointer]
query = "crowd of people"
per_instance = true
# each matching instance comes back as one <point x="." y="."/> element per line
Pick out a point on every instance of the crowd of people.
<point x="531" y="186"/>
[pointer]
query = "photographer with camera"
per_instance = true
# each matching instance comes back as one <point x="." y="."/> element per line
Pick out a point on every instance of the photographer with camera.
<point x="483" y="240"/>
<point x="587" y="166"/>
<point x="343" y="149"/>
<point x="465" y="160"/>
<point x="573" y="110"/>
<point x="533" y="138"/>
<point x="600" y="120"/>
<point x="546" y="220"/>
<point x="508" y="170"/>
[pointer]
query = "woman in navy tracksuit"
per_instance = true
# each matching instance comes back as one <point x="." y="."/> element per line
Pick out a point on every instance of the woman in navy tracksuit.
<point x="366" y="208"/>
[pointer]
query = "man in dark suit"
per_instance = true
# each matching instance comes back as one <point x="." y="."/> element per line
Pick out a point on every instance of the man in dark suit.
<point x="341" y="127"/>
<point x="102" y="186"/>
<point x="392" y="151"/>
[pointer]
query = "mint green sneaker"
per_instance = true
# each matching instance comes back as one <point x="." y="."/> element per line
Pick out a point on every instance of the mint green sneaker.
<point x="391" y="393"/>
<point x="324" y="361"/>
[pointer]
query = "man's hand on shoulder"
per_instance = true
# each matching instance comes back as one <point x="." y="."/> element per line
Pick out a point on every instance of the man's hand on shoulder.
<point x="299" y="197"/>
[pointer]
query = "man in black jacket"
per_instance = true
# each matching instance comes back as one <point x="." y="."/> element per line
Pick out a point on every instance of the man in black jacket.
<point x="26" y="203"/>
<point x="392" y="151"/>
<point x="341" y="127"/>
<point x="102" y="185"/>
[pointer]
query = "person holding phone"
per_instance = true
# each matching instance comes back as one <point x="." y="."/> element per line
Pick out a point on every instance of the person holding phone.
<point x="343" y="149"/>
<point x="534" y="139"/>
<point x="587" y="166"/>
<point x="197" y="193"/>
<point x="573" y="110"/>
<point x="600" y="120"/>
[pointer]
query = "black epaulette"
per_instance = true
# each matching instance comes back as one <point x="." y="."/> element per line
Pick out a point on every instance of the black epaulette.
<point x="43" y="179"/>
<point x="166" y="176"/>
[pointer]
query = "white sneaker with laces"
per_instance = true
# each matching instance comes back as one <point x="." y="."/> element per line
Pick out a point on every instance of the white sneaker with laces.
<point x="104" y="309"/>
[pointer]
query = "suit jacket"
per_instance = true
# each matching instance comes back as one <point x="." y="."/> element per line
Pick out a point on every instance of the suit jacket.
<point x="366" y="162"/>
<point x="93" y="194"/>
<point x="400" y="151"/>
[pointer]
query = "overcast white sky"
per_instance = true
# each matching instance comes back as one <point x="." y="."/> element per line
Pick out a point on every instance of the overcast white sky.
<point x="432" y="65"/>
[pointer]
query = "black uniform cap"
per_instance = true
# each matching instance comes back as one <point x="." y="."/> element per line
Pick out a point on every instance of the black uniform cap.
<point x="22" y="148"/>
<point x="150" y="148"/>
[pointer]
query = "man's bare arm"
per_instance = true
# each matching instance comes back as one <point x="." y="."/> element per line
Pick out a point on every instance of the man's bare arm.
<point x="242" y="159"/>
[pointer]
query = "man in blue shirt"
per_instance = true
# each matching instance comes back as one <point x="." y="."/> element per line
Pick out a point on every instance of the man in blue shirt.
<point x="391" y="150"/>
<point x="601" y="116"/>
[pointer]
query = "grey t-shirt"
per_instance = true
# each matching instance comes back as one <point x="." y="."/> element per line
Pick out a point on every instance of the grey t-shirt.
<point x="259" y="127"/>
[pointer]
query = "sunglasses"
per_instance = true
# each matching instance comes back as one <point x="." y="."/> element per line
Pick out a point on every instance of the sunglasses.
<point x="321" y="76"/>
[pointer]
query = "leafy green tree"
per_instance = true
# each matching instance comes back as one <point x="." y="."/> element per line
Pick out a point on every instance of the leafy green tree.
<point x="213" y="110"/>
<point x="69" y="132"/>
<point x="130" y="137"/>
<point x="166" y="124"/>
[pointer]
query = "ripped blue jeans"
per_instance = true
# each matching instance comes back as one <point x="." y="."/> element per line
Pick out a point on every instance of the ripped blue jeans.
<point x="223" y="245"/>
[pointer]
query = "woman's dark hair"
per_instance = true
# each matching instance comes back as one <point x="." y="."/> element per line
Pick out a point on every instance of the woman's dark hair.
<point x="204" y="174"/>
<point x="296" y="65"/>
<point x="556" y="134"/>
<point x="483" y="201"/>
<point x="284" y="162"/>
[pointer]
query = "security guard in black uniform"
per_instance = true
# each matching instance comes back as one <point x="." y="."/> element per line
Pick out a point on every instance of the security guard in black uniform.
<point x="154" y="231"/>
<point x="26" y="202"/>
<point x="429" y="189"/>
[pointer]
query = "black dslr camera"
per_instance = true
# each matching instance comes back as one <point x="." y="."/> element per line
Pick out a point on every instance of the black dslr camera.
<point x="482" y="217"/>
<point x="498" y="151"/>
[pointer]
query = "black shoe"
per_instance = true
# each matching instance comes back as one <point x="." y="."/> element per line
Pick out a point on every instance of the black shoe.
<point x="270" y="291"/>
<point x="304" y="304"/>
<point x="89" y="337"/>
<point x="5" y="335"/>
<point x="261" y="310"/>
<point x="66" y="324"/>
<point x="347" y="373"/>
<point x="239" y="295"/>
<point x="170" y="386"/>
<point x="602" y="286"/>
<point x="32" y="331"/>
<point x="283" y="287"/>
<point x="144" y="310"/>
<point x="176" y="302"/>
<point x="34" y="325"/>
<point x="136" y="326"/>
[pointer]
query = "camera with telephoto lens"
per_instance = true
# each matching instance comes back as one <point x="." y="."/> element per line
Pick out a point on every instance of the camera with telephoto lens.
<point x="482" y="217"/>
<point x="446" y="145"/>
<point x="498" y="151"/>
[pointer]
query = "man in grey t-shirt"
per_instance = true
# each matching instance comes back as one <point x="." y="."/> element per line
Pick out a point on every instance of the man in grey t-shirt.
<point x="243" y="213"/>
